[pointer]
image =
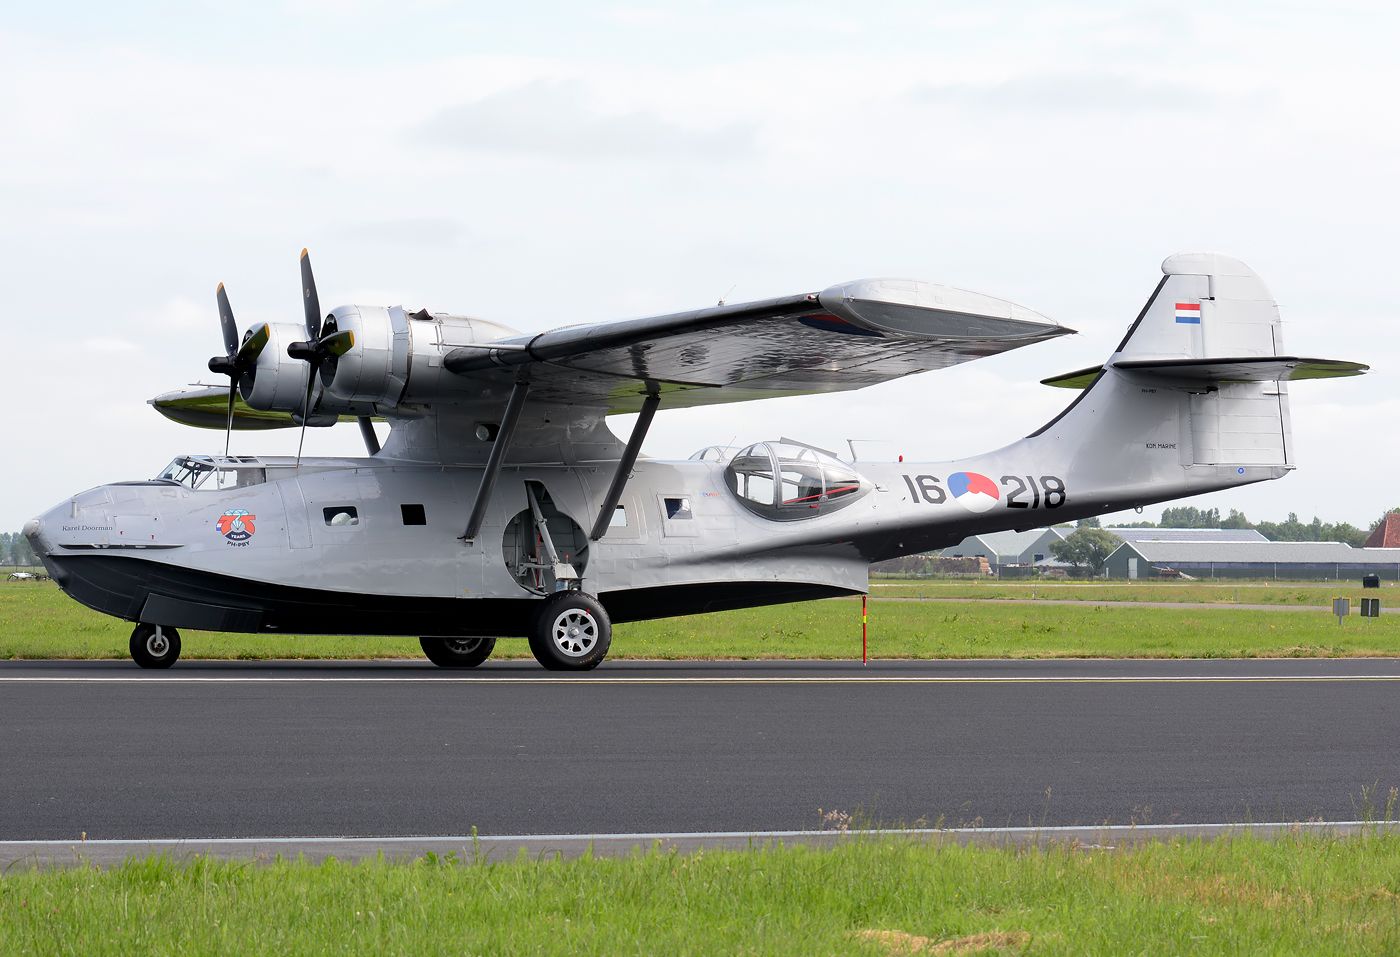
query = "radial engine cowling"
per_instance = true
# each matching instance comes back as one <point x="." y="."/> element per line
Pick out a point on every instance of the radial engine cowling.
<point x="375" y="369"/>
<point x="277" y="382"/>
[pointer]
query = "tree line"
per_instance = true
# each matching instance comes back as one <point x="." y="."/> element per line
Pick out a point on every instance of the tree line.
<point x="15" y="550"/>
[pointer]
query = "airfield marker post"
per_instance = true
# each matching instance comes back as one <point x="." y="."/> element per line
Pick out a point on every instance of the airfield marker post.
<point x="864" y="618"/>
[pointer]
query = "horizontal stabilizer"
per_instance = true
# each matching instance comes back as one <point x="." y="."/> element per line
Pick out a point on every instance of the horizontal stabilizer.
<point x="1078" y="379"/>
<point x="1225" y="369"/>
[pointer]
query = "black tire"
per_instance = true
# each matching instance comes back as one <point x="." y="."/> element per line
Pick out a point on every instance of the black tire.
<point x="154" y="647"/>
<point x="457" y="652"/>
<point x="571" y="632"/>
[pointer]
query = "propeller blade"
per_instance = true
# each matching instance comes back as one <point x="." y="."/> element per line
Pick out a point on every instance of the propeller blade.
<point x="306" y="405"/>
<point x="338" y="344"/>
<point x="309" y="300"/>
<point x="232" y="395"/>
<point x="253" y="344"/>
<point x="230" y="328"/>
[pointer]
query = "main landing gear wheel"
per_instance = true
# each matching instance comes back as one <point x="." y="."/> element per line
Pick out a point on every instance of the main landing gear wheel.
<point x="457" y="652"/>
<point x="154" y="646"/>
<point x="572" y="632"/>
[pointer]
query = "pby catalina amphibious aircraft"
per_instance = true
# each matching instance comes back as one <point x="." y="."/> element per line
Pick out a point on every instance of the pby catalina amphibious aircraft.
<point x="501" y="504"/>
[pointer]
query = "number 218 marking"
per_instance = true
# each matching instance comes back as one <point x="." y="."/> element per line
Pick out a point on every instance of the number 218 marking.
<point x="1052" y="486"/>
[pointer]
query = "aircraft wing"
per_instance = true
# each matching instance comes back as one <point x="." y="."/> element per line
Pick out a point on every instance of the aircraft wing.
<point x="846" y="337"/>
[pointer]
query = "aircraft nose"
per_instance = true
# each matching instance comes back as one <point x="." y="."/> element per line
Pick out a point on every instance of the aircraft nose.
<point x="33" y="530"/>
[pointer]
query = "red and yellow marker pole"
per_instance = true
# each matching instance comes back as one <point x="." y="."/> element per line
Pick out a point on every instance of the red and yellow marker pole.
<point x="864" y="620"/>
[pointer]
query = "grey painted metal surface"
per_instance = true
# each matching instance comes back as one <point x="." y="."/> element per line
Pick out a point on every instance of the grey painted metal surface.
<point x="326" y="545"/>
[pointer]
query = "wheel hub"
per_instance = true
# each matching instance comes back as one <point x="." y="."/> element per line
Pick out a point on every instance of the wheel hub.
<point x="575" y="632"/>
<point x="157" y="644"/>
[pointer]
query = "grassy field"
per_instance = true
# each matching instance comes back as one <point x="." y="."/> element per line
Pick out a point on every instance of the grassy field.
<point x="1231" y="896"/>
<point x="38" y="621"/>
<point x="1319" y="594"/>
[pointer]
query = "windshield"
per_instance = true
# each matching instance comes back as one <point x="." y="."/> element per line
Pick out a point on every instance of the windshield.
<point x="196" y="471"/>
<point x="187" y="471"/>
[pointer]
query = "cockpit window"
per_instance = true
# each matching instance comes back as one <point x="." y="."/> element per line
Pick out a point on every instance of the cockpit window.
<point x="186" y="471"/>
<point x="786" y="481"/>
<point x="210" y="472"/>
<point x="713" y="453"/>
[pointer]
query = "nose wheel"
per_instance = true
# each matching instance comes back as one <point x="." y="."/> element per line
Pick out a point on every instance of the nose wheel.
<point x="154" y="646"/>
<point x="572" y="632"/>
<point x="457" y="652"/>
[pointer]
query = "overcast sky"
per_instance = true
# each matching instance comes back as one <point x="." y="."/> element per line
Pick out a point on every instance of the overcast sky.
<point x="544" y="164"/>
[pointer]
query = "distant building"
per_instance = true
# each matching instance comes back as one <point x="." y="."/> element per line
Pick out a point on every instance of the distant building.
<point x="1387" y="533"/>
<point x="1251" y="559"/>
<point x="1009" y="548"/>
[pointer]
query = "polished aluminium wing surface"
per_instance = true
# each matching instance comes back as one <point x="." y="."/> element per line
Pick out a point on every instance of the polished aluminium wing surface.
<point x="846" y="337"/>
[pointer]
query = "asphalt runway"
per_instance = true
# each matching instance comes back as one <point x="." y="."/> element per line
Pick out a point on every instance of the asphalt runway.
<point x="402" y="749"/>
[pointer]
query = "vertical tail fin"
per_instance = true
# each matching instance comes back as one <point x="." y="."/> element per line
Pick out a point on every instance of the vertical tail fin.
<point x="1206" y="307"/>
<point x="1194" y="398"/>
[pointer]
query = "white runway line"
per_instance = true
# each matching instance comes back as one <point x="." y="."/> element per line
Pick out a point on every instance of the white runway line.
<point x="711" y="680"/>
<point x="671" y="836"/>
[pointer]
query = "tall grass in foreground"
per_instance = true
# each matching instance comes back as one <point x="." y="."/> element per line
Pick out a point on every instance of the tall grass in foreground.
<point x="1301" y="895"/>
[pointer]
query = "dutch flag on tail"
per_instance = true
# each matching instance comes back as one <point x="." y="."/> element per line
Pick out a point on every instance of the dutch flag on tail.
<point x="1189" y="312"/>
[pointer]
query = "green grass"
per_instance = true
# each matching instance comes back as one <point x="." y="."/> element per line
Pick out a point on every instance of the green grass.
<point x="1230" y="896"/>
<point x="1319" y="594"/>
<point x="38" y="621"/>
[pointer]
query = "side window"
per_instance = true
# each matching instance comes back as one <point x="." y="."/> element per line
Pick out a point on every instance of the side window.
<point x="340" y="515"/>
<point x="413" y="515"/>
<point x="678" y="508"/>
<point x="619" y="517"/>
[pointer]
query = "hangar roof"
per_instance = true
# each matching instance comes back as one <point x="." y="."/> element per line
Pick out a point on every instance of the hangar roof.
<point x="1188" y="534"/>
<point x="1186" y="552"/>
<point x="1387" y="533"/>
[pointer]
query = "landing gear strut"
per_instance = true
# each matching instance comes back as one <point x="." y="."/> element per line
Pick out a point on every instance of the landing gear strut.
<point x="457" y="652"/>
<point x="154" y="646"/>
<point x="572" y="632"/>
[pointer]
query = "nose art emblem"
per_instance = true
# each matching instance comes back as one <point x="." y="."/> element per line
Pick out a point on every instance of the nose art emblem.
<point x="236" y="525"/>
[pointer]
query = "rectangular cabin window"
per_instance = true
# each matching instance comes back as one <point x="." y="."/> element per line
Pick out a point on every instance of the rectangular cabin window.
<point x="619" y="518"/>
<point x="338" y="516"/>
<point x="678" y="508"/>
<point x="414" y="515"/>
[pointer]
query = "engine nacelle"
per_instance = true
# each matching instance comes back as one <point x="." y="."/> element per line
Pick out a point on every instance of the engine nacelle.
<point x="277" y="382"/>
<point x="375" y="370"/>
<point x="397" y="357"/>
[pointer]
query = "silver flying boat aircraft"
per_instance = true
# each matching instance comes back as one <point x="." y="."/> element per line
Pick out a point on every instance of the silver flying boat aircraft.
<point x="501" y="504"/>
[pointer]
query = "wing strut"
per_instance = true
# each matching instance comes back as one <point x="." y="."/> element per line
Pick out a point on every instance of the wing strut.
<point x="367" y="433"/>
<point x="504" y="435"/>
<point x="625" y="464"/>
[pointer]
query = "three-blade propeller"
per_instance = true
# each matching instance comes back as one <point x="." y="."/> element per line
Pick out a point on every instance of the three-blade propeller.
<point x="239" y="359"/>
<point x="317" y="349"/>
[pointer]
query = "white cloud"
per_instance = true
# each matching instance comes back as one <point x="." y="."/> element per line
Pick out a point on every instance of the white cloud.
<point x="555" y="119"/>
<point x="109" y="344"/>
